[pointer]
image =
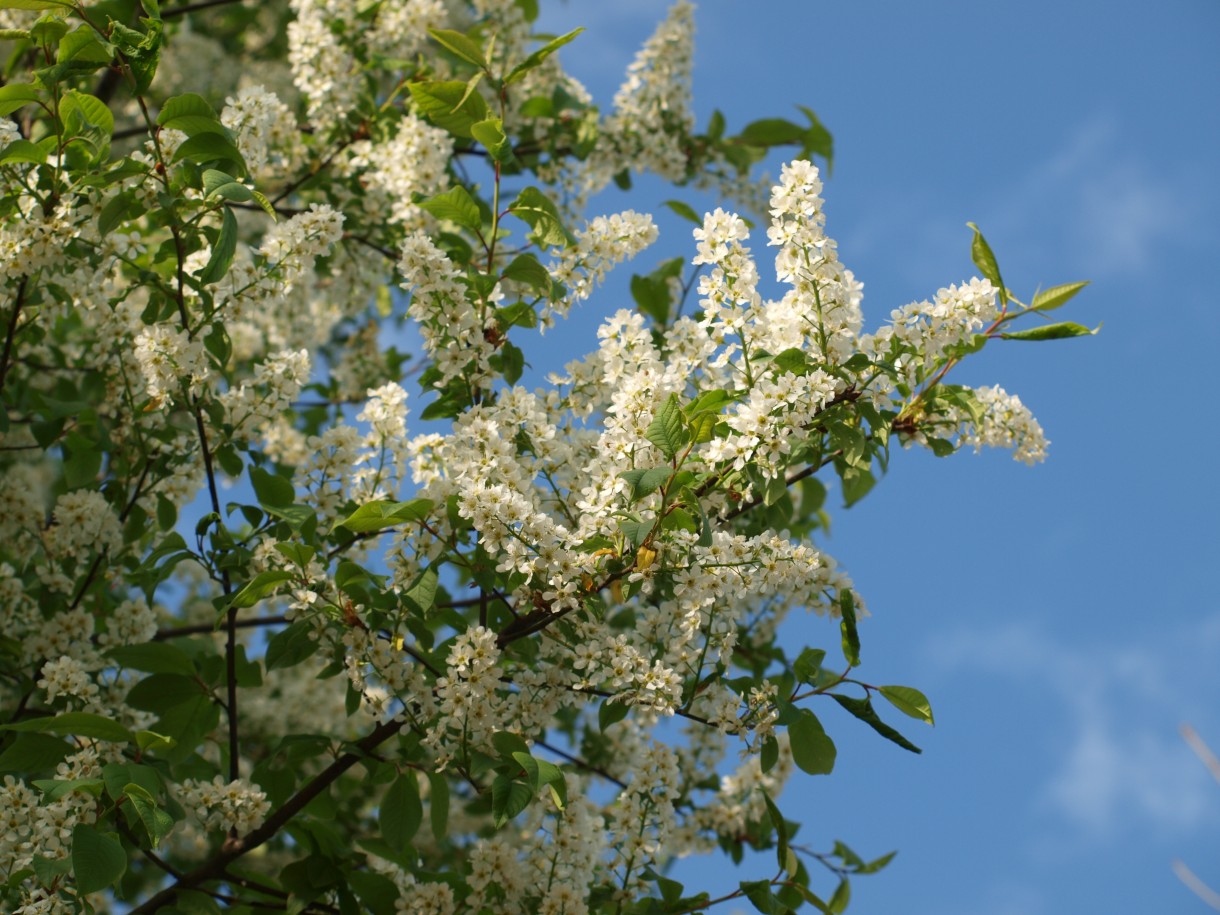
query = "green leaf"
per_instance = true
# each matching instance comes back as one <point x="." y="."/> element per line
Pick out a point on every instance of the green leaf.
<point x="438" y="804"/>
<point x="401" y="811"/>
<point x="34" y="753"/>
<point x="645" y="481"/>
<point x="263" y="585"/>
<point x="156" y="821"/>
<point x="808" y="664"/>
<point x="841" y="897"/>
<point x="1059" y="331"/>
<point x="491" y="134"/>
<point x="449" y="105"/>
<point x="781" y="831"/>
<point x="191" y="114"/>
<point x="210" y="147"/>
<point x="422" y="593"/>
<point x="376" y="891"/>
<point x="847" y="628"/>
<point x="770" y="754"/>
<point x="23" y="151"/>
<point x="377" y="516"/>
<point x="75" y="724"/>
<point x="153" y="658"/>
<point x="812" y="750"/>
<point x="528" y="271"/>
<point x="508" y="798"/>
<point x="17" y="95"/>
<point x="863" y="709"/>
<point x="272" y="489"/>
<point x="98" y="860"/>
<point x="455" y="205"/>
<point x="684" y="210"/>
<point x="536" y="209"/>
<point x="793" y="361"/>
<point x="223" y="251"/>
<point x="518" y="72"/>
<point x="760" y="895"/>
<point x="984" y="259"/>
<point x="93" y="111"/>
<point x="771" y="132"/>
<point x="666" y="430"/>
<point x="290" y="646"/>
<point x="1050" y="299"/>
<point x="909" y="701"/>
<point x="611" y="712"/>
<point x="222" y="184"/>
<point x="461" y="45"/>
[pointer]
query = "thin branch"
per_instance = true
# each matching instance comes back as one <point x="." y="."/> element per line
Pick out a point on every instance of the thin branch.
<point x="6" y="356"/>
<point x="1202" y="750"/>
<point x="580" y="763"/>
<point x="1195" y="885"/>
<point x="200" y="628"/>
<point x="215" y="868"/>
<point x="195" y="7"/>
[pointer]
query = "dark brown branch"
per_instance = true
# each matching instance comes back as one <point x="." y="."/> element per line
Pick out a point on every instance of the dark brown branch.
<point x="216" y="867"/>
<point x="194" y="8"/>
<point x="200" y="628"/>
<point x="6" y="356"/>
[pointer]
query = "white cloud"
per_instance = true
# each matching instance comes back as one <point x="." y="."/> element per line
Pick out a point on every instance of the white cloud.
<point x="1123" y="763"/>
<point x="1093" y="198"/>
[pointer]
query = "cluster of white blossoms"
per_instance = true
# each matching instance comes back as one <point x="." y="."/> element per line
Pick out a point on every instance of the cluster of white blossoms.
<point x="84" y="523"/>
<point x="470" y="708"/>
<point x="455" y="333"/>
<point x="265" y="128"/>
<point x="393" y="171"/>
<point x="276" y="383"/>
<point x="235" y="805"/>
<point x="1006" y="423"/>
<point x="603" y="244"/>
<point x="919" y="334"/>
<point x="653" y="106"/>
<point x="169" y="359"/>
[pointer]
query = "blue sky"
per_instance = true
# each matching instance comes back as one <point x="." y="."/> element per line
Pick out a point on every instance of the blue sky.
<point x="1063" y="619"/>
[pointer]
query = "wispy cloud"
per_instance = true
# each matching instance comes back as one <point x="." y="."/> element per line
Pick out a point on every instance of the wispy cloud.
<point x="1123" y="763"/>
<point x="1097" y="199"/>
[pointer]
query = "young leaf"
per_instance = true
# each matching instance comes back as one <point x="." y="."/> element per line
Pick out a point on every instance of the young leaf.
<point x="1051" y="332"/>
<point x="263" y="585"/>
<point x="909" y="701"/>
<point x="191" y="114"/>
<point x="685" y="211"/>
<point x="847" y="628"/>
<point x="535" y="208"/>
<point x="449" y="105"/>
<point x="666" y="430"/>
<point x="984" y="259"/>
<point x="224" y="249"/>
<point x="455" y="205"/>
<point x="518" y="72"/>
<point x="461" y="45"/>
<point x="491" y="134"/>
<point x="376" y="516"/>
<point x="1049" y="299"/>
